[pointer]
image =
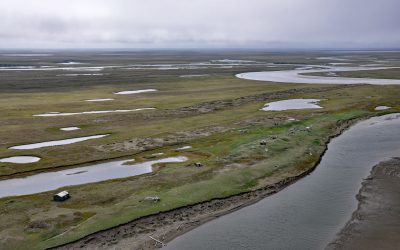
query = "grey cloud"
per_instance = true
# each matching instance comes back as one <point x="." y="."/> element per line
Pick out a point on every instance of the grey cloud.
<point x="199" y="23"/>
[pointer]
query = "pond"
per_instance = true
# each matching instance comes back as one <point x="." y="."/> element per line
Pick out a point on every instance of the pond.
<point x="20" y="159"/>
<point x="52" y="114"/>
<point x="292" y="104"/>
<point x="58" y="142"/>
<point x="76" y="176"/>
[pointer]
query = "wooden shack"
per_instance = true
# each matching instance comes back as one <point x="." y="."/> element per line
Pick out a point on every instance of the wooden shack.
<point x="152" y="198"/>
<point x="62" y="196"/>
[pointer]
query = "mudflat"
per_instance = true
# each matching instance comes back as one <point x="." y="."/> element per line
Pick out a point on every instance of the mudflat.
<point x="376" y="222"/>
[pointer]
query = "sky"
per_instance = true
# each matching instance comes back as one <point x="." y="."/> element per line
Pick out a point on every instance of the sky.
<point x="315" y="24"/>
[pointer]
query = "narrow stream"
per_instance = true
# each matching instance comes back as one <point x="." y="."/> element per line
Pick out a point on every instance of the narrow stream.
<point x="309" y="213"/>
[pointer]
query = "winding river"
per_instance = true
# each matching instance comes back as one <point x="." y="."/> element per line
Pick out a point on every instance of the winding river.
<point x="308" y="213"/>
<point x="297" y="76"/>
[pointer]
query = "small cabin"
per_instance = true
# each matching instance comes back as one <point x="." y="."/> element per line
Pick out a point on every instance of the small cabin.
<point x="152" y="198"/>
<point x="62" y="196"/>
<point x="198" y="164"/>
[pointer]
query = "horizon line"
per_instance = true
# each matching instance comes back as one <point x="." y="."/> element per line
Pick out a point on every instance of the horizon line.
<point x="371" y="49"/>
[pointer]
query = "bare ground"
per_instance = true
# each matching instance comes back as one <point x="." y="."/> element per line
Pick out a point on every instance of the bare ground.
<point x="376" y="222"/>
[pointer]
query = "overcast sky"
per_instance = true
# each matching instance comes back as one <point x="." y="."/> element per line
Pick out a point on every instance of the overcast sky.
<point x="199" y="23"/>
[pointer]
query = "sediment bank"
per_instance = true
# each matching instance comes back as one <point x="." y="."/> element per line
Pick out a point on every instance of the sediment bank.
<point x="376" y="222"/>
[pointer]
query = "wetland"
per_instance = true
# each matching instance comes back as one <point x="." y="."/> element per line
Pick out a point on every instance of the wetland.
<point x="246" y="154"/>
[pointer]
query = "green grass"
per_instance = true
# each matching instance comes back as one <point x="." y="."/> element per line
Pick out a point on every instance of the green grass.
<point x="234" y="161"/>
<point x="379" y="74"/>
<point x="176" y="184"/>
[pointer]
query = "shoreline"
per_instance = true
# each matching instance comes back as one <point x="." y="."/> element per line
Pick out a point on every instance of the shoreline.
<point x="166" y="226"/>
<point x="375" y="224"/>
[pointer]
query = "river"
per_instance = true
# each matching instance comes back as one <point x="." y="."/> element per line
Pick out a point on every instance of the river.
<point x="298" y="75"/>
<point x="308" y="213"/>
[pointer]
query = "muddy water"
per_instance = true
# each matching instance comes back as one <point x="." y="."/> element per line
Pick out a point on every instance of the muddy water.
<point x="89" y="174"/>
<point x="309" y="213"/>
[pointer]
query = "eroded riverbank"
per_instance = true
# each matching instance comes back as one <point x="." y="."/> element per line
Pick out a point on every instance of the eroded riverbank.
<point x="376" y="222"/>
<point x="166" y="226"/>
<point x="309" y="213"/>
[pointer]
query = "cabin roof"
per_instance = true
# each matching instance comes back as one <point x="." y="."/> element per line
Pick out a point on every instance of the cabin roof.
<point x="62" y="194"/>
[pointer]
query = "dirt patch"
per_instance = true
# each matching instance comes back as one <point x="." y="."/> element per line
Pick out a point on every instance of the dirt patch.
<point x="376" y="222"/>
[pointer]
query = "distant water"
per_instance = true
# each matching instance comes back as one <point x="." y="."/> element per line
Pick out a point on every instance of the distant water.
<point x="292" y="104"/>
<point x="307" y="214"/>
<point x="52" y="114"/>
<point x="20" y="159"/>
<point x="69" y="128"/>
<point x="297" y="76"/>
<point x="57" y="143"/>
<point x="130" y="92"/>
<point x="100" y="100"/>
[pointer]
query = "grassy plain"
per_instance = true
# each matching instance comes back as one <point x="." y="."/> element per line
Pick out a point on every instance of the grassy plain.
<point x="379" y="74"/>
<point x="217" y="114"/>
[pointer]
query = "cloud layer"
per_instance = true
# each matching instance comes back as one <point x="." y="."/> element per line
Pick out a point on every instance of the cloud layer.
<point x="199" y="24"/>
